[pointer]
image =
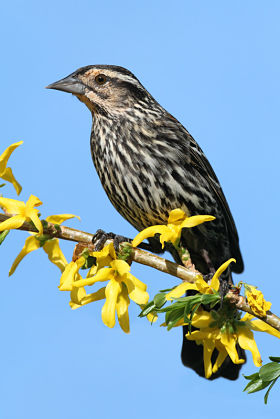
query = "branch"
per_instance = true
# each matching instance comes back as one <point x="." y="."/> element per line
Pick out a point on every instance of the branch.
<point x="143" y="257"/>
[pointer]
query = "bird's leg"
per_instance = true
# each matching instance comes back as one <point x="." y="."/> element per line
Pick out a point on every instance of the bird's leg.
<point x="207" y="260"/>
<point x="100" y="238"/>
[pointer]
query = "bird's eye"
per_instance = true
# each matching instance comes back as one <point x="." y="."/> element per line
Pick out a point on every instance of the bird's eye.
<point x="100" y="79"/>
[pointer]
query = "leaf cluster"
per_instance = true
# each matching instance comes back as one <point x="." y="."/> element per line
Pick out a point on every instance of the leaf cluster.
<point x="181" y="308"/>
<point x="267" y="376"/>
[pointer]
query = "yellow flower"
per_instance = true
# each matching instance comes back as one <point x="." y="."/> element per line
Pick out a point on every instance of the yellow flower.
<point x="122" y="285"/>
<point x="200" y="285"/>
<point x="211" y="336"/>
<point x="6" y="172"/>
<point x="22" y="212"/>
<point x="78" y="295"/>
<point x="256" y="301"/>
<point x="103" y="258"/>
<point x="69" y="275"/>
<point x="172" y="231"/>
<point x="51" y="247"/>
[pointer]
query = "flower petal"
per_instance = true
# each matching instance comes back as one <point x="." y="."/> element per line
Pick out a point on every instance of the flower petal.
<point x="229" y="342"/>
<point x="202" y="319"/>
<point x="32" y="202"/>
<point x="121" y="266"/>
<point x="215" y="283"/>
<point x="246" y="341"/>
<point x="247" y="317"/>
<point x="202" y="285"/>
<point x="55" y="255"/>
<point x="31" y="243"/>
<point x="9" y="177"/>
<point x="122" y="309"/>
<point x="148" y="232"/>
<point x="260" y="326"/>
<point x="176" y="215"/>
<point x="12" y="223"/>
<point x="152" y="317"/>
<point x="112" y="291"/>
<point x="137" y="282"/>
<point x="195" y="220"/>
<point x="76" y="295"/>
<point x="94" y="296"/>
<point x="199" y="335"/>
<point x="6" y="155"/>
<point x="12" y="206"/>
<point x="180" y="290"/>
<point x="103" y="275"/>
<point x="256" y="301"/>
<point x="36" y="221"/>
<point x="208" y="348"/>
<point x="68" y="276"/>
<point x="108" y="250"/>
<point x="220" y="359"/>
<point x="135" y="293"/>
<point x="60" y="218"/>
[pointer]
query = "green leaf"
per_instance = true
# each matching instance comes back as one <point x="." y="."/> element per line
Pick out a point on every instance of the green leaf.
<point x="256" y="385"/>
<point x="172" y="317"/>
<point x="209" y="298"/>
<point x="147" y="309"/>
<point x="44" y="223"/>
<point x="270" y="371"/>
<point x="252" y="376"/>
<point x="268" y="391"/>
<point x="2" y="184"/>
<point x="191" y="302"/>
<point x="90" y="261"/>
<point x="3" y="235"/>
<point x="167" y="289"/>
<point x="159" y="300"/>
<point x="275" y="358"/>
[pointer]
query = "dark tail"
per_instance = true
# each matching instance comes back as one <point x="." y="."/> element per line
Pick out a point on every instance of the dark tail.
<point x="192" y="353"/>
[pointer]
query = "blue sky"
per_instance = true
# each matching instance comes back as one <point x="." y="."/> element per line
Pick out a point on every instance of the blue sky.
<point x="215" y="66"/>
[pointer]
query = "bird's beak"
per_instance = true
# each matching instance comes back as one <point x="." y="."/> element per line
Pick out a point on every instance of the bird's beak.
<point x="69" y="84"/>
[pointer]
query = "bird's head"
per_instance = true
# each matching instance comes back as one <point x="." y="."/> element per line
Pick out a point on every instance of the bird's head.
<point x="104" y="88"/>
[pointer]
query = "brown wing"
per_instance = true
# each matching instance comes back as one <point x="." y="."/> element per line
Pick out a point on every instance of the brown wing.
<point x="202" y="165"/>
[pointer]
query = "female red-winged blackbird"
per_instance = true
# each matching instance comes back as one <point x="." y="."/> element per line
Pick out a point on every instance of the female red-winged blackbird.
<point x="149" y="164"/>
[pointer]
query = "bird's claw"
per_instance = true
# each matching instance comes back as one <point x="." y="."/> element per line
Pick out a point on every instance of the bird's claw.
<point x="208" y="277"/>
<point x="224" y="286"/>
<point x="100" y="238"/>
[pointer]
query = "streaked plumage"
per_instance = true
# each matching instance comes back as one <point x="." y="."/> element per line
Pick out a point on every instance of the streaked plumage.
<point x="149" y="164"/>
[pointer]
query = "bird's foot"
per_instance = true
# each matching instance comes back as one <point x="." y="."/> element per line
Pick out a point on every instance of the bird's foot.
<point x="224" y="285"/>
<point x="100" y="238"/>
<point x="207" y="278"/>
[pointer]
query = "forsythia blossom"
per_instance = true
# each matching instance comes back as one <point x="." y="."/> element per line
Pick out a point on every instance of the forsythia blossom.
<point x="256" y="301"/>
<point x="200" y="285"/>
<point x="6" y="172"/>
<point x="51" y="246"/>
<point x="122" y="286"/>
<point x="21" y="212"/>
<point x="211" y="336"/>
<point x="177" y="220"/>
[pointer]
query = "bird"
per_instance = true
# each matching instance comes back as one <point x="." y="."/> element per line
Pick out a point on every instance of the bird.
<point x="149" y="164"/>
